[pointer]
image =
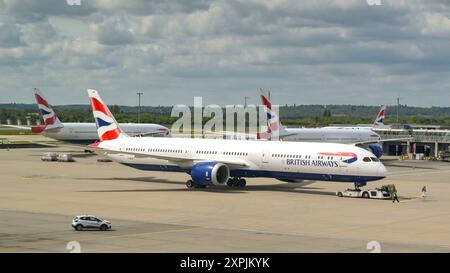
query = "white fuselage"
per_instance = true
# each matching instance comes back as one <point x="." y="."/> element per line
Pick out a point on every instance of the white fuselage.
<point x="324" y="134"/>
<point x="332" y="135"/>
<point x="87" y="132"/>
<point x="281" y="160"/>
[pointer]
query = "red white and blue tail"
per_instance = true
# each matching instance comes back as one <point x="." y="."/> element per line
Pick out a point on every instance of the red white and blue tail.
<point x="273" y="121"/>
<point x="107" y="126"/>
<point x="379" y="121"/>
<point x="51" y="121"/>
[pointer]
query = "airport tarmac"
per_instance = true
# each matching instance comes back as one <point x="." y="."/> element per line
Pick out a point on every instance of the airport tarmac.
<point x="155" y="212"/>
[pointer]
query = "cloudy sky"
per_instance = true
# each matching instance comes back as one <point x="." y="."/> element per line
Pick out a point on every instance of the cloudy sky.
<point x="321" y="52"/>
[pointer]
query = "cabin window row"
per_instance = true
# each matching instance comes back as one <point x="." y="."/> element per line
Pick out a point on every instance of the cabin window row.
<point x="291" y="156"/>
<point x="206" y="152"/>
<point x="235" y="153"/>
<point x="300" y="156"/>
<point x="165" y="151"/>
<point x="154" y="150"/>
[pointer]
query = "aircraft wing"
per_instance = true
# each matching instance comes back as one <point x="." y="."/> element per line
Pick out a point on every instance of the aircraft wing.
<point x="232" y="135"/>
<point x="182" y="161"/>
<point x="17" y="127"/>
<point x="382" y="140"/>
<point x="287" y="135"/>
<point x="233" y="163"/>
<point x="155" y="133"/>
<point x="244" y="136"/>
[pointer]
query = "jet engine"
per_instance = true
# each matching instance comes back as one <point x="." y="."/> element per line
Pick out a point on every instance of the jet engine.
<point x="376" y="149"/>
<point x="210" y="173"/>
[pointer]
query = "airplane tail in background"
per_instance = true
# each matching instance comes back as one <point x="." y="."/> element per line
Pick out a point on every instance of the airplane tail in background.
<point x="107" y="126"/>
<point x="51" y="121"/>
<point x="273" y="121"/>
<point x="379" y="121"/>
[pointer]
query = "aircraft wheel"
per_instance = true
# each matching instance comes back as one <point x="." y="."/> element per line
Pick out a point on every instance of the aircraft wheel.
<point x="189" y="184"/>
<point x="236" y="182"/>
<point x="242" y="182"/>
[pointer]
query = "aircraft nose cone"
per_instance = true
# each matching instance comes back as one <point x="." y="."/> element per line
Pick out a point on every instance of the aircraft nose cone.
<point x="382" y="171"/>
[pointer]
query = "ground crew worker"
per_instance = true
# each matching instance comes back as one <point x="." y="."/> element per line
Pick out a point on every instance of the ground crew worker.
<point x="395" y="197"/>
<point x="424" y="192"/>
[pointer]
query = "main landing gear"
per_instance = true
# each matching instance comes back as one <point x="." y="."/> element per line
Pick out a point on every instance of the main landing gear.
<point x="232" y="182"/>
<point x="236" y="182"/>
<point x="191" y="184"/>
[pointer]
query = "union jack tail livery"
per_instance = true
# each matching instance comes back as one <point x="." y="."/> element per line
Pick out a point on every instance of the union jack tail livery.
<point x="51" y="121"/>
<point x="379" y="121"/>
<point x="273" y="121"/>
<point x="107" y="127"/>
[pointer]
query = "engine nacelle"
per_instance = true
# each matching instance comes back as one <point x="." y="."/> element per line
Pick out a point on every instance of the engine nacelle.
<point x="210" y="173"/>
<point x="376" y="149"/>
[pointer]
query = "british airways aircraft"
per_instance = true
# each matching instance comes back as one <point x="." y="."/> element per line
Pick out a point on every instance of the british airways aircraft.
<point x="82" y="132"/>
<point x="227" y="162"/>
<point x="377" y="124"/>
<point x="379" y="120"/>
<point x="323" y="134"/>
<point x="361" y="136"/>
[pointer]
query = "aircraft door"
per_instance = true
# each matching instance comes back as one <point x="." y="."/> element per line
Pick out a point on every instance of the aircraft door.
<point x="188" y="151"/>
<point x="265" y="156"/>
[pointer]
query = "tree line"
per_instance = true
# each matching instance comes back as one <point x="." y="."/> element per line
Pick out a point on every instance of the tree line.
<point x="301" y="115"/>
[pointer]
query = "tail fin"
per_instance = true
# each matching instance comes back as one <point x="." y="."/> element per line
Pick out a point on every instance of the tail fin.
<point x="379" y="121"/>
<point x="107" y="126"/>
<point x="49" y="116"/>
<point x="273" y="121"/>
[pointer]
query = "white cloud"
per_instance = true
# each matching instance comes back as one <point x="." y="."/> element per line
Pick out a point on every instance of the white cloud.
<point x="113" y="31"/>
<point x="10" y="35"/>
<point x="321" y="51"/>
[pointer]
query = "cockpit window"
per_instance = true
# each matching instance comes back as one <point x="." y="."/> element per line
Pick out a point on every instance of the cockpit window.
<point x="367" y="159"/>
<point x="374" y="159"/>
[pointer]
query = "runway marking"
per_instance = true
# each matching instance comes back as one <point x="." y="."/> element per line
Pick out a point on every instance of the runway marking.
<point x="144" y="233"/>
<point x="415" y="173"/>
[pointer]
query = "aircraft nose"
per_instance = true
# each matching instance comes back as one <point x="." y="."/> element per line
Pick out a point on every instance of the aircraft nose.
<point x="382" y="171"/>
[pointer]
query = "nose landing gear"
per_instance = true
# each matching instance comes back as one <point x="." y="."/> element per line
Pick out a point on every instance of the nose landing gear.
<point x="359" y="184"/>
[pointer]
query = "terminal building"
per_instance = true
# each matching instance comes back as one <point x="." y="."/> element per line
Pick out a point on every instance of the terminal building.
<point x="426" y="140"/>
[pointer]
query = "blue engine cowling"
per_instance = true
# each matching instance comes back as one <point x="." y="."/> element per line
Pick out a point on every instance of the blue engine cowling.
<point x="210" y="173"/>
<point x="376" y="149"/>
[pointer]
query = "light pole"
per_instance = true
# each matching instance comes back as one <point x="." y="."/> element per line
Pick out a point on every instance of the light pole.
<point x="398" y="108"/>
<point x="139" y="109"/>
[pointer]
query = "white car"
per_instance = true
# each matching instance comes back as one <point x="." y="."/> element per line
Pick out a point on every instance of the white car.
<point x="360" y="193"/>
<point x="82" y="222"/>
